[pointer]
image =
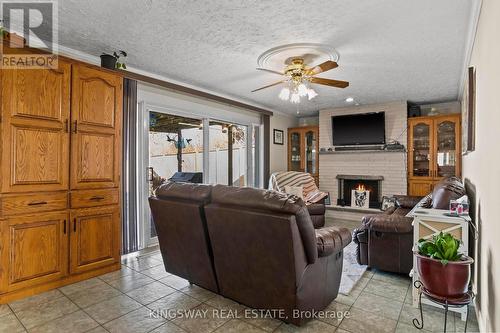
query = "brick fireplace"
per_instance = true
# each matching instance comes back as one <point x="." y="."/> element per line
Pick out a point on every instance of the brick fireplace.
<point x="347" y="183"/>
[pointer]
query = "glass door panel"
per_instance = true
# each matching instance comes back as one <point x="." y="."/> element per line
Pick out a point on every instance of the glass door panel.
<point x="295" y="151"/>
<point x="421" y="155"/>
<point x="228" y="154"/>
<point x="310" y="165"/>
<point x="446" y="146"/>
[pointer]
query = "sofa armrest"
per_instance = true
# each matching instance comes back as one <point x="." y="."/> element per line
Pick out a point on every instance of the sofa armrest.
<point x="388" y="223"/>
<point x="407" y="201"/>
<point x="331" y="240"/>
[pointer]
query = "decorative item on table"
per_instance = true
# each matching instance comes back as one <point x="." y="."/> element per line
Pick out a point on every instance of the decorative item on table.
<point x="387" y="202"/>
<point x="360" y="197"/>
<point x="459" y="206"/>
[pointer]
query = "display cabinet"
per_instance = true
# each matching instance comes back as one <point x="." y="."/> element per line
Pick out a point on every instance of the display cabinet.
<point x="434" y="151"/>
<point x="303" y="150"/>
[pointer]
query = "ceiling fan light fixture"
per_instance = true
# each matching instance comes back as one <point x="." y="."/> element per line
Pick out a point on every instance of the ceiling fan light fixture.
<point x="311" y="93"/>
<point x="302" y="90"/>
<point x="295" y="98"/>
<point x="349" y="100"/>
<point x="284" y="94"/>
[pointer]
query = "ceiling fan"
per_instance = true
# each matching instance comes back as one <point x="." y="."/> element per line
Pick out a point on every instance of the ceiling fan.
<point x="298" y="77"/>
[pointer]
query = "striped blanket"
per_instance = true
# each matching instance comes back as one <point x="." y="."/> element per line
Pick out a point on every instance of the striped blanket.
<point x="311" y="193"/>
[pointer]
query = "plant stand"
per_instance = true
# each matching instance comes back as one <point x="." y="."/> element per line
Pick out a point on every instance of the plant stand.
<point x="446" y="303"/>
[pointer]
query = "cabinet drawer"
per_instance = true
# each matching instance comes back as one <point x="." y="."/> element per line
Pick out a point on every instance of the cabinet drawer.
<point x="91" y="198"/>
<point x="33" y="203"/>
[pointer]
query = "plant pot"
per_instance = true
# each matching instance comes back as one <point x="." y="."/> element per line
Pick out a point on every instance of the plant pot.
<point x="108" y="61"/>
<point x="449" y="281"/>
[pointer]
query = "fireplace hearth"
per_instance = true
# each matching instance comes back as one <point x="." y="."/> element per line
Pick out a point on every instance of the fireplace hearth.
<point x="348" y="183"/>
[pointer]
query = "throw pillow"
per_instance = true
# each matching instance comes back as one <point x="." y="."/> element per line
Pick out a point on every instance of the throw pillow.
<point x="421" y="204"/>
<point x="295" y="190"/>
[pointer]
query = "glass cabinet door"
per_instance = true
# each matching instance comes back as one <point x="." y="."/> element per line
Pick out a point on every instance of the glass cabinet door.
<point x="446" y="147"/>
<point x="310" y="145"/>
<point x="295" y="152"/>
<point x="421" y="149"/>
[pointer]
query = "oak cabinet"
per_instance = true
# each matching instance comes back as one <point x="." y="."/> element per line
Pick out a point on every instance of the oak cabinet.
<point x="94" y="238"/>
<point x="35" y="139"/>
<point x="303" y="150"/>
<point x="434" y="151"/>
<point x="34" y="250"/>
<point x="60" y="143"/>
<point x="96" y="104"/>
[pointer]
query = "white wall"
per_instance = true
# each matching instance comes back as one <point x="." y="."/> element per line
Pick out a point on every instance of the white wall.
<point x="390" y="165"/>
<point x="481" y="168"/>
<point x="279" y="152"/>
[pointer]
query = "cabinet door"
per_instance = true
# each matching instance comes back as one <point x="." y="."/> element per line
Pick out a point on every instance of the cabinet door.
<point x="447" y="146"/>
<point x="95" y="238"/>
<point x="420" y="187"/>
<point x="35" y="139"/>
<point x="96" y="111"/>
<point x="295" y="147"/>
<point x="34" y="250"/>
<point x="420" y="148"/>
<point x="311" y="151"/>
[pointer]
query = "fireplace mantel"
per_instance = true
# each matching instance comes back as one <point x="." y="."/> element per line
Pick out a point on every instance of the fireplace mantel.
<point x="360" y="177"/>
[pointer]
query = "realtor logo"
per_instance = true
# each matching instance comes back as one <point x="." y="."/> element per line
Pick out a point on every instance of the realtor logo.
<point x="32" y="38"/>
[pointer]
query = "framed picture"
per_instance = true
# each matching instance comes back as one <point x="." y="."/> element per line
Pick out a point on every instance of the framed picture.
<point x="387" y="202"/>
<point x="469" y="112"/>
<point x="278" y="137"/>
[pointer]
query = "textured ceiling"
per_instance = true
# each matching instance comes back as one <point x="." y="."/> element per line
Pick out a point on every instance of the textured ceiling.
<point x="389" y="49"/>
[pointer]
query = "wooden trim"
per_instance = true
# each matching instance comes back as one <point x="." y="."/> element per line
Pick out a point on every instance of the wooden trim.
<point x="18" y="294"/>
<point x="266" y="121"/>
<point x="191" y="91"/>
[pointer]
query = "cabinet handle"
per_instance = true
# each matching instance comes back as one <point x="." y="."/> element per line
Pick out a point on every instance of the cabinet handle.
<point x="65" y="227"/>
<point x="37" y="203"/>
<point x="74" y="224"/>
<point x="76" y="127"/>
<point x="97" y="198"/>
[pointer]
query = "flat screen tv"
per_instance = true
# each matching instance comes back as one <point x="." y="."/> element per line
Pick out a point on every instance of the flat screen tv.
<point x="359" y="129"/>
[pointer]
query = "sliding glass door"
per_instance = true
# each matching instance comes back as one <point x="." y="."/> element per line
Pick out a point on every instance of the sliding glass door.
<point x="190" y="149"/>
<point x="228" y="154"/>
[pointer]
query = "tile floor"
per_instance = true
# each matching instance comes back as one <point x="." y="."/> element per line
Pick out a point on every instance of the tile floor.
<point x="122" y="302"/>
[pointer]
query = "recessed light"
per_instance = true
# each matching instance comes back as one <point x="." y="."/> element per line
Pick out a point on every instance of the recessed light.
<point x="349" y="100"/>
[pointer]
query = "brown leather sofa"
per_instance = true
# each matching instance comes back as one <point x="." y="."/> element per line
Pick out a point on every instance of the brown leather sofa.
<point x="263" y="248"/>
<point x="385" y="240"/>
<point x="317" y="213"/>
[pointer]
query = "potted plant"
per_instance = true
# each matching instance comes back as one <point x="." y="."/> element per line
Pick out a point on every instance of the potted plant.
<point x="111" y="61"/>
<point x="443" y="271"/>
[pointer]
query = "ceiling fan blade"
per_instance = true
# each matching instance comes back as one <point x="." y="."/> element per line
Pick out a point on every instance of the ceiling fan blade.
<point x="326" y="66"/>
<point x="331" y="83"/>
<point x="270" y="71"/>
<point x="273" y="84"/>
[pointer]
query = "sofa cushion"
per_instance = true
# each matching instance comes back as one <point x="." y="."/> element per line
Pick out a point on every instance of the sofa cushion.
<point x="184" y="191"/>
<point x="446" y="190"/>
<point x="253" y="198"/>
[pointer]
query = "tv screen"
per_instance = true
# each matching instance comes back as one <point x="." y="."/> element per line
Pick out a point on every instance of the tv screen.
<point x="359" y="129"/>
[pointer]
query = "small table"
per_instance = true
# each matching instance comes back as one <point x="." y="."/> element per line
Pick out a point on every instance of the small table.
<point x="448" y="304"/>
<point x="430" y="222"/>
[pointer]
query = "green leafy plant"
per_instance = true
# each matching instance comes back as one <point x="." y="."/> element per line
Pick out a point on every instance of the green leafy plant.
<point x="117" y="56"/>
<point x="443" y="247"/>
<point x="3" y="31"/>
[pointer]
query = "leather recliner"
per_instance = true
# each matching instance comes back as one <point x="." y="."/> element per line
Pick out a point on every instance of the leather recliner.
<point x="385" y="241"/>
<point x="262" y="244"/>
